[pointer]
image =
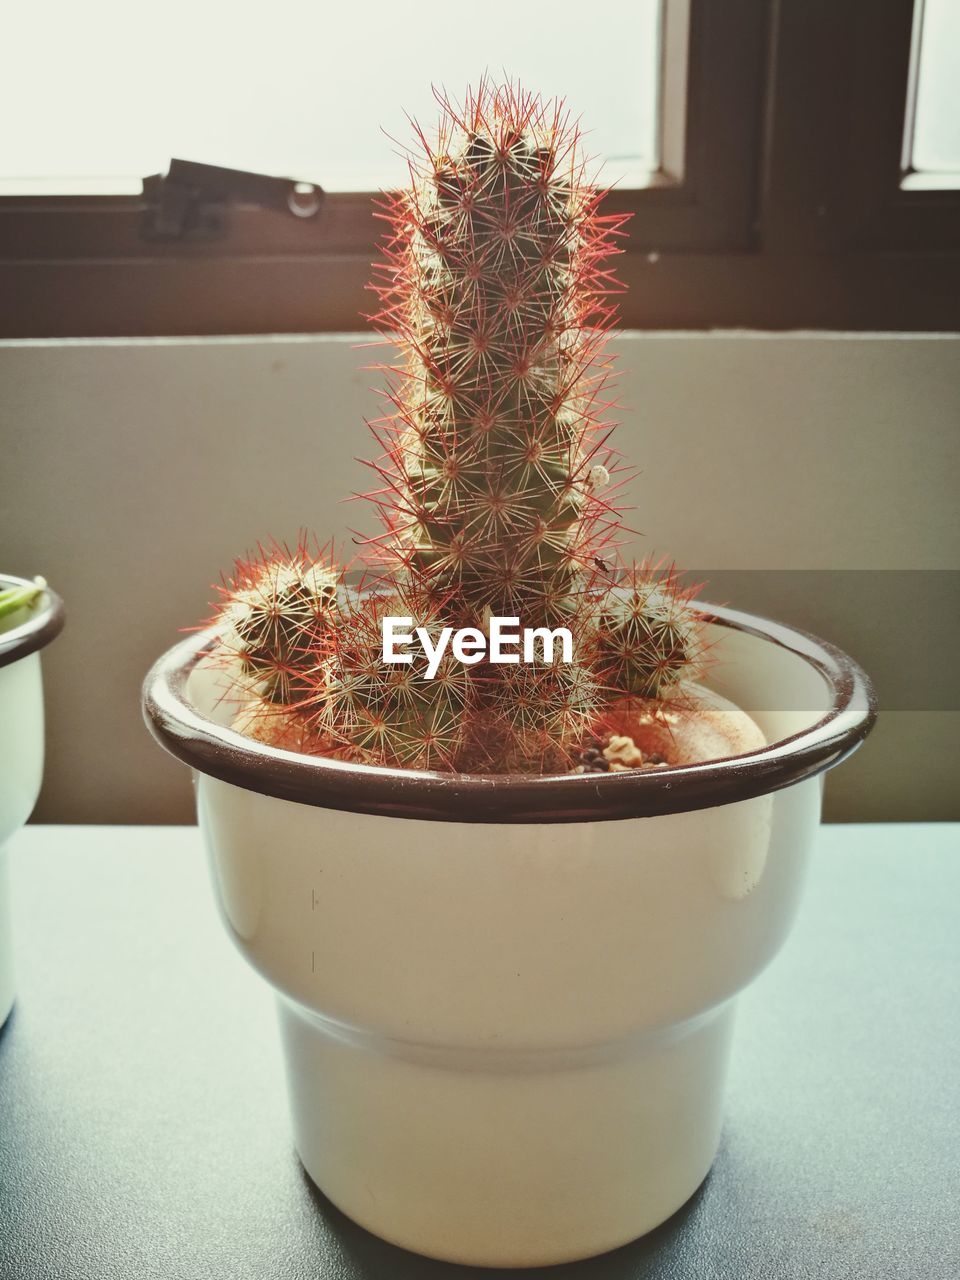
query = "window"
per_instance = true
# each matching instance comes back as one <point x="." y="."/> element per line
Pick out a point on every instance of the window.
<point x="305" y="89"/>
<point x="787" y="162"/>
<point x="931" y="142"/>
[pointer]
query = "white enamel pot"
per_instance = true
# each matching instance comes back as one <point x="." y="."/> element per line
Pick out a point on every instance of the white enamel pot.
<point x="507" y="1003"/>
<point x="22" y="636"/>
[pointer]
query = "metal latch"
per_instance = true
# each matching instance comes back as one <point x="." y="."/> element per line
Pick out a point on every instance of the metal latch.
<point x="189" y="201"/>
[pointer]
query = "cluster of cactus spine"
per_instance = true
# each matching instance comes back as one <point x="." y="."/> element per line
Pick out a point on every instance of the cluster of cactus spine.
<point x="493" y="482"/>
<point x="276" y="608"/>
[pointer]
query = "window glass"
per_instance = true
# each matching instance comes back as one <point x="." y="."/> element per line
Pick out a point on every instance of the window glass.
<point x="936" y="115"/>
<point x="96" y="95"/>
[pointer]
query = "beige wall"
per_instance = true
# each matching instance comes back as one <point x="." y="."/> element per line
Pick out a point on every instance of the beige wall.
<point x="133" y="471"/>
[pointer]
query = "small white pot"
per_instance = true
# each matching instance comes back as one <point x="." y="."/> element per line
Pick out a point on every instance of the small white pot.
<point x="507" y="1017"/>
<point x="21" y="743"/>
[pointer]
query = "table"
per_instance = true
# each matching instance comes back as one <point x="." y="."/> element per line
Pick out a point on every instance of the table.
<point x="143" y="1126"/>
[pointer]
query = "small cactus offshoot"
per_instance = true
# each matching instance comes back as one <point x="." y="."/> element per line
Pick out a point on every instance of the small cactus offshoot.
<point x="391" y="714"/>
<point x="276" y="613"/>
<point x="647" y="638"/>
<point x="496" y="486"/>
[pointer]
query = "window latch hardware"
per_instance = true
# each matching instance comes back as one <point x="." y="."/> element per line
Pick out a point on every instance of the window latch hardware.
<point x="189" y="201"/>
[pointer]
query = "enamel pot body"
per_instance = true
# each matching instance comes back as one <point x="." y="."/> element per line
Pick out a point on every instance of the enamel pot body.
<point x="507" y="1003"/>
<point x="21" y="745"/>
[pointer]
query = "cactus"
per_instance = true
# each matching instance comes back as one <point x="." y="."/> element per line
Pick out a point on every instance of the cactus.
<point x="494" y="481"/>
<point x="496" y="289"/>
<point x="277" y="611"/>
<point x="391" y="715"/>
<point x="647" y="636"/>
<point x="530" y="717"/>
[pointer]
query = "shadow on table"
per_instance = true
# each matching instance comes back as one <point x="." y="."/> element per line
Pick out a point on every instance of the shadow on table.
<point x="367" y="1256"/>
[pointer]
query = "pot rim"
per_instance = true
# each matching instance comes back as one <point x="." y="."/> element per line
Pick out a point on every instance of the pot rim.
<point x="43" y="625"/>
<point x="232" y="757"/>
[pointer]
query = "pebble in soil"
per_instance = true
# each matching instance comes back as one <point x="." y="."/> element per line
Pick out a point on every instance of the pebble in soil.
<point x="615" y="753"/>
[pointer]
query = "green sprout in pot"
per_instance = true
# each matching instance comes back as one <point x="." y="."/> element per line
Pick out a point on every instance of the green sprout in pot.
<point x="13" y="599"/>
<point x="496" y="490"/>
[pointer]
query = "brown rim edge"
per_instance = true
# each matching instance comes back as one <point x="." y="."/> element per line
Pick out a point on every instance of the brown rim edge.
<point x="39" y="629"/>
<point x="451" y="797"/>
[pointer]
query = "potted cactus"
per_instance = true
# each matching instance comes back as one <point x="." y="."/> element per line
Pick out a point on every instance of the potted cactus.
<point x="506" y="821"/>
<point x="31" y="615"/>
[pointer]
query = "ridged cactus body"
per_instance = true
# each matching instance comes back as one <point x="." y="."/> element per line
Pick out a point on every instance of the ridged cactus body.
<point x="494" y="272"/>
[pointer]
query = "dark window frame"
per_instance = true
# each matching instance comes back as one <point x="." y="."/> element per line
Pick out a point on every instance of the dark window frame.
<point x="780" y="203"/>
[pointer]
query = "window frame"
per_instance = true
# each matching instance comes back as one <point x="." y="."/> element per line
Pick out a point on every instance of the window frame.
<point x="886" y="205"/>
<point x="763" y="214"/>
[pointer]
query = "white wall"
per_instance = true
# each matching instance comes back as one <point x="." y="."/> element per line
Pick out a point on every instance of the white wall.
<point x="133" y="471"/>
